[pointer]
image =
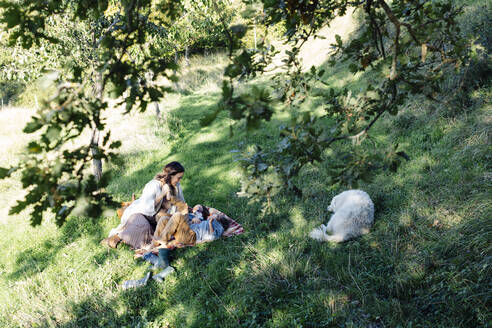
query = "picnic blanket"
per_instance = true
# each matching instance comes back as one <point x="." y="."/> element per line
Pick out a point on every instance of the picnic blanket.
<point x="234" y="229"/>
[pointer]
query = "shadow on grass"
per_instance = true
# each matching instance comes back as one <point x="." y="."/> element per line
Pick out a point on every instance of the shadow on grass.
<point x="421" y="262"/>
<point x="36" y="258"/>
<point x="273" y="275"/>
<point x="240" y="281"/>
<point x="96" y="310"/>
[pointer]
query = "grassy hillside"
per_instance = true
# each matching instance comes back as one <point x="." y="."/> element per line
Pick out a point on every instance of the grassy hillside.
<point x="426" y="263"/>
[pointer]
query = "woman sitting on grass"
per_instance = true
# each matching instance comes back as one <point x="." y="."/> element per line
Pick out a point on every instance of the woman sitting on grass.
<point x="138" y="221"/>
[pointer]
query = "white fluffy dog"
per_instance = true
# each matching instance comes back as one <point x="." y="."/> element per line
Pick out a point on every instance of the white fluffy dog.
<point x="353" y="216"/>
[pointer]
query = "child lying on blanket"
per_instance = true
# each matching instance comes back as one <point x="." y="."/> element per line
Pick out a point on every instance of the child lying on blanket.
<point x="184" y="232"/>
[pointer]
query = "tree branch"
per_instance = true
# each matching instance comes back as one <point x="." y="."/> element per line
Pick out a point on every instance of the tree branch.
<point x="226" y="30"/>
<point x="397" y="23"/>
<point x="377" y="31"/>
<point x="108" y="30"/>
<point x="359" y="134"/>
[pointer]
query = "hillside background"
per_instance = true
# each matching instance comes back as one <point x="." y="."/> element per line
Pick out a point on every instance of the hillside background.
<point x="426" y="263"/>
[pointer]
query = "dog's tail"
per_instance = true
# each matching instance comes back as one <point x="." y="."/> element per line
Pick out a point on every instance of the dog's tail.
<point x="321" y="235"/>
<point x="318" y="234"/>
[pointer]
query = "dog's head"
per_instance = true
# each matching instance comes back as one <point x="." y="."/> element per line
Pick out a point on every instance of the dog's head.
<point x="181" y="207"/>
<point x="335" y="202"/>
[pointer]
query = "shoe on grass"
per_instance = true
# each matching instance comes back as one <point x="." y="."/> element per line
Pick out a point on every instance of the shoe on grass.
<point x="159" y="262"/>
<point x="136" y="283"/>
<point x="112" y="241"/>
<point x="163" y="274"/>
<point x="151" y="257"/>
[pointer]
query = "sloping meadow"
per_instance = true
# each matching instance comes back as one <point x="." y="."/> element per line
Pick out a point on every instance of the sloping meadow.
<point x="426" y="262"/>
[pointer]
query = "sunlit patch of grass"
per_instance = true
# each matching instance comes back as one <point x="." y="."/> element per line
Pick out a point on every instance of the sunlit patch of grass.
<point x="425" y="263"/>
<point x="297" y="219"/>
<point x="212" y="136"/>
<point x="12" y="143"/>
<point x="202" y="74"/>
<point x="13" y="121"/>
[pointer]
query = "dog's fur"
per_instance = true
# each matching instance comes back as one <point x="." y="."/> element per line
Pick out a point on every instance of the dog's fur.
<point x="162" y="217"/>
<point x="123" y="207"/>
<point x="179" y="206"/>
<point x="353" y="216"/>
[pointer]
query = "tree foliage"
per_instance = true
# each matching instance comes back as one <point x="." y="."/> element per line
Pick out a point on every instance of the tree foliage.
<point x="57" y="177"/>
<point x="408" y="44"/>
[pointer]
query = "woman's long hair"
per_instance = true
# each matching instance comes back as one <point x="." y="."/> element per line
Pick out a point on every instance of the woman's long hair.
<point x="168" y="172"/>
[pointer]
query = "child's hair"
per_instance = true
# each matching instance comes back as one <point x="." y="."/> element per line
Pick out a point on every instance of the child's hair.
<point x="224" y="222"/>
<point x="205" y="212"/>
<point x="202" y="209"/>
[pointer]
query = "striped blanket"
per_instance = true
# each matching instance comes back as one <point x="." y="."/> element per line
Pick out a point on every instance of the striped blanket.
<point x="234" y="227"/>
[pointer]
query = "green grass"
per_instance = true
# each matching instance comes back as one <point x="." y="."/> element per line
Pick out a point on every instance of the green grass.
<point x="426" y="263"/>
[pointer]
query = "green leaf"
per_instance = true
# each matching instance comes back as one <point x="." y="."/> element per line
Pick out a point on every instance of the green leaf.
<point x="33" y="126"/>
<point x="33" y="147"/>
<point x="239" y="30"/>
<point x="12" y="16"/>
<point x="226" y="90"/>
<point x="232" y="70"/>
<point x="249" y="12"/>
<point x="209" y="118"/>
<point x="37" y="215"/>
<point x="18" y="207"/>
<point x="155" y="94"/>
<point x="338" y="39"/>
<point x="5" y="173"/>
<point x="106" y="138"/>
<point x="115" y="144"/>
<point x="353" y="68"/>
<point x="53" y="133"/>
